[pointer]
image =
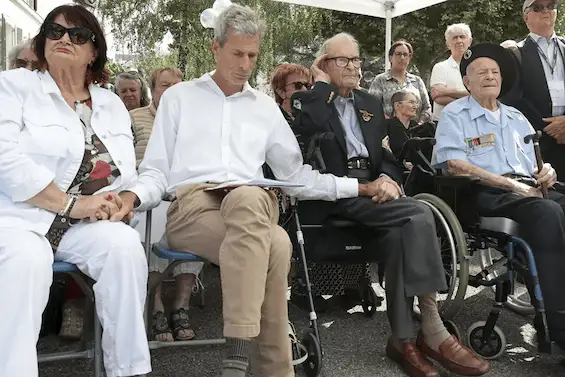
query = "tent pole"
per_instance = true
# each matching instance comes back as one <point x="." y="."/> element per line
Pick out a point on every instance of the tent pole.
<point x="389" y="5"/>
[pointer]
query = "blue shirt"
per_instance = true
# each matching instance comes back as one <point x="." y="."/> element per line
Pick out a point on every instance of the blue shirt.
<point x="467" y="131"/>
<point x="354" y="139"/>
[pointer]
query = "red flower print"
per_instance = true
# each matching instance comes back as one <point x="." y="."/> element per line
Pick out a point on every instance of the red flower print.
<point x="101" y="170"/>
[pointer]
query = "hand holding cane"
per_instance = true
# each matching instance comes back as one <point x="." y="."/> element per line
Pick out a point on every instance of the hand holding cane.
<point x="535" y="139"/>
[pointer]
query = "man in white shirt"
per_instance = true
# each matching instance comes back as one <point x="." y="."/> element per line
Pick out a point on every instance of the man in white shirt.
<point x="217" y="129"/>
<point x="446" y="82"/>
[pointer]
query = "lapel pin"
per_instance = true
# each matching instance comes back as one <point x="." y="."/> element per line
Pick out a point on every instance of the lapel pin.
<point x="331" y="97"/>
<point x="367" y="116"/>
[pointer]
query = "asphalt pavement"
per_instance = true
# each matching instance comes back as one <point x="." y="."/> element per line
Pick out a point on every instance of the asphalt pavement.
<point x="353" y="344"/>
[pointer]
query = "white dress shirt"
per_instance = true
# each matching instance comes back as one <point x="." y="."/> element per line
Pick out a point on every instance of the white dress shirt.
<point x="554" y="70"/>
<point x="42" y="141"/>
<point x="446" y="73"/>
<point x="200" y="135"/>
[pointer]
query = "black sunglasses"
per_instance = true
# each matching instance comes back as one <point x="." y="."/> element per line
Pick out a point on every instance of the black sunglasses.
<point x="298" y="85"/>
<point x="538" y="8"/>
<point x="77" y="35"/>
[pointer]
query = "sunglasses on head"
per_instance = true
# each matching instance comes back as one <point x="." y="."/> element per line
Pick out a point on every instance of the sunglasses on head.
<point x="77" y="35"/>
<point x="538" y="8"/>
<point x="298" y="85"/>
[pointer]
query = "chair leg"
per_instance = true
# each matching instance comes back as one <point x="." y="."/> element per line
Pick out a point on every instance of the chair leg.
<point x="98" y="360"/>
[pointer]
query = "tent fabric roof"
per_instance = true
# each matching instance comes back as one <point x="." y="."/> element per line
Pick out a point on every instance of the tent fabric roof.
<point x="375" y="8"/>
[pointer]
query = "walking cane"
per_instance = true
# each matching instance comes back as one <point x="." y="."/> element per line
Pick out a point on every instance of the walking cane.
<point x="535" y="139"/>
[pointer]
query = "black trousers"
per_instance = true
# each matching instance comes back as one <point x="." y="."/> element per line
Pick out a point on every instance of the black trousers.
<point x="542" y="226"/>
<point x="405" y="238"/>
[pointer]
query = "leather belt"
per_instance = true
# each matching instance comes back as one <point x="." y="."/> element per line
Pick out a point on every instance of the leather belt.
<point x="521" y="178"/>
<point x="359" y="164"/>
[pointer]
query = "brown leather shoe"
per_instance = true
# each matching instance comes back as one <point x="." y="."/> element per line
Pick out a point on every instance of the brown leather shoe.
<point x="455" y="357"/>
<point x="411" y="360"/>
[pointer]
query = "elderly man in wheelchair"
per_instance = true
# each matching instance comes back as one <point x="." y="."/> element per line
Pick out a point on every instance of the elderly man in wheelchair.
<point x="489" y="143"/>
<point x="348" y="125"/>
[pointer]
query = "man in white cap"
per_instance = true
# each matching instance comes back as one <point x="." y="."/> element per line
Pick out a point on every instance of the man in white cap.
<point x="540" y="93"/>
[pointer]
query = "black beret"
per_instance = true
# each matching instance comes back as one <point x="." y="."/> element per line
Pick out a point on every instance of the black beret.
<point x="504" y="58"/>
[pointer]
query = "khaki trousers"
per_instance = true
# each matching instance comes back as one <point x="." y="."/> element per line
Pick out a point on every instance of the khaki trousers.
<point x="238" y="231"/>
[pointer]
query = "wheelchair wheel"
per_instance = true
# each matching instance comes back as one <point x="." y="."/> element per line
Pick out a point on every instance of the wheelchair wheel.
<point x="369" y="300"/>
<point x="495" y="345"/>
<point x="453" y="244"/>
<point x="519" y="302"/>
<point x="313" y="365"/>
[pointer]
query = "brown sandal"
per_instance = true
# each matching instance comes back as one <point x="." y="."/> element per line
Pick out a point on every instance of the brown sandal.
<point x="160" y="325"/>
<point x="180" y="323"/>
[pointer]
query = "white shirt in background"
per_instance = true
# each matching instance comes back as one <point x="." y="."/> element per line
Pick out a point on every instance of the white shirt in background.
<point x="200" y="135"/>
<point x="446" y="73"/>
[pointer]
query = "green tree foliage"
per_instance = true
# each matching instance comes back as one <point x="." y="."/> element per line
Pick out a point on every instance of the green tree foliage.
<point x="295" y="32"/>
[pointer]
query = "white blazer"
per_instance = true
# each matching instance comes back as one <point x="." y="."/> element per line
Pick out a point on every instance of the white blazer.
<point x="41" y="140"/>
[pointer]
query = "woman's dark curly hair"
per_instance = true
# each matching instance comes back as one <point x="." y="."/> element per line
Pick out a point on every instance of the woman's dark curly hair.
<point x="80" y="17"/>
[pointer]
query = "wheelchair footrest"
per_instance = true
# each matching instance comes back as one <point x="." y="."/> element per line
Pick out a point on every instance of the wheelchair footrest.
<point x="480" y="281"/>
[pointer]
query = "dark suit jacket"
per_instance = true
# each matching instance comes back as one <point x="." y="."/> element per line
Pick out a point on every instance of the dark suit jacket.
<point x="531" y="96"/>
<point x="315" y="113"/>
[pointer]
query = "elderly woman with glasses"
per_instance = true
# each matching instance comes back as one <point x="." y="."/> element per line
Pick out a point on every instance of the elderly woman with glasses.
<point x="397" y="78"/>
<point x="22" y="56"/>
<point x="286" y="80"/>
<point x="65" y="146"/>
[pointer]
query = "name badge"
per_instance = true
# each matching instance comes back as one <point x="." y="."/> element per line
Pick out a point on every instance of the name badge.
<point x="480" y="142"/>
<point x="557" y="92"/>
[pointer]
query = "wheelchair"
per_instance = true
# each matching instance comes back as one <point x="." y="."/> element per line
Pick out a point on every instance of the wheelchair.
<point x="514" y="264"/>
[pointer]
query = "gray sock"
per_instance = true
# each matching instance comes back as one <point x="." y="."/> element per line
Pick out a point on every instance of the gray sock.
<point x="238" y="349"/>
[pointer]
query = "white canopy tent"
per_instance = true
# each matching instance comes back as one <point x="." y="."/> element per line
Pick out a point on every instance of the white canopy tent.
<point x="387" y="9"/>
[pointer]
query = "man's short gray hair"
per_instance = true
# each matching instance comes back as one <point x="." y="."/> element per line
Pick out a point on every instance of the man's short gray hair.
<point x="241" y="20"/>
<point x="324" y="48"/>
<point x="457" y="29"/>
<point x="15" y="52"/>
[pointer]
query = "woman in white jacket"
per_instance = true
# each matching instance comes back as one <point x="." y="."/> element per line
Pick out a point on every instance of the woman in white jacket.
<point x="65" y="145"/>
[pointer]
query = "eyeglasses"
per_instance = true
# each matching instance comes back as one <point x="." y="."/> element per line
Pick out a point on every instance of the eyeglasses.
<point x="22" y="63"/>
<point x="298" y="85"/>
<point x="402" y="54"/>
<point x="538" y="8"/>
<point x="342" y="61"/>
<point x="411" y="102"/>
<point x="77" y="35"/>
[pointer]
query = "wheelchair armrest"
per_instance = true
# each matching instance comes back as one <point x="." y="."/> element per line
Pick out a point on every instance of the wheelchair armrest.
<point x="415" y="144"/>
<point x="456" y="182"/>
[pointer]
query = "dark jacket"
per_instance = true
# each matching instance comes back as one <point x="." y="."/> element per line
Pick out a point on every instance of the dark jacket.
<point x="398" y="134"/>
<point x="315" y="113"/>
<point x="531" y="96"/>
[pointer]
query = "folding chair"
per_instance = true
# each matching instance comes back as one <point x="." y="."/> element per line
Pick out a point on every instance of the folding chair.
<point x="175" y="258"/>
<point x="92" y="325"/>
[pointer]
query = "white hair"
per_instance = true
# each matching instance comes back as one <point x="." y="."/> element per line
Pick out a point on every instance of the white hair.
<point x="509" y="44"/>
<point x="241" y="20"/>
<point x="457" y="29"/>
<point x="340" y="36"/>
<point x="16" y="51"/>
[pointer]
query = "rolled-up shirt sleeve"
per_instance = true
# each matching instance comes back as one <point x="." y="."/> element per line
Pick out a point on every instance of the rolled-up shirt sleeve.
<point x="285" y="160"/>
<point x="450" y="140"/>
<point x="21" y="178"/>
<point x="155" y="168"/>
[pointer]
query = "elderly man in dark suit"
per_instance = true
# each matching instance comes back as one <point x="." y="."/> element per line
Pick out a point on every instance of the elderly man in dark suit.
<point x="540" y="93"/>
<point x="403" y="228"/>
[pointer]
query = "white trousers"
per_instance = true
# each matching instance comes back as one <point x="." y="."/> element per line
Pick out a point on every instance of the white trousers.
<point x="111" y="254"/>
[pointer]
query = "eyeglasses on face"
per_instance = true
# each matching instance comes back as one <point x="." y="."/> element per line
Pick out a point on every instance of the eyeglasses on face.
<point x="411" y="102"/>
<point x="22" y="63"/>
<point x="298" y="85"/>
<point x="342" y="61"/>
<point x="77" y="35"/>
<point x="538" y="8"/>
<point x="399" y="54"/>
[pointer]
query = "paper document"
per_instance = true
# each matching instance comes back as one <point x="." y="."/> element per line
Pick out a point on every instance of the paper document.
<point x="254" y="182"/>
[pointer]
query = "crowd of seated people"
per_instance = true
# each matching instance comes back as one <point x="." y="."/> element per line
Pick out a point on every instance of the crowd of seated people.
<point x="72" y="174"/>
